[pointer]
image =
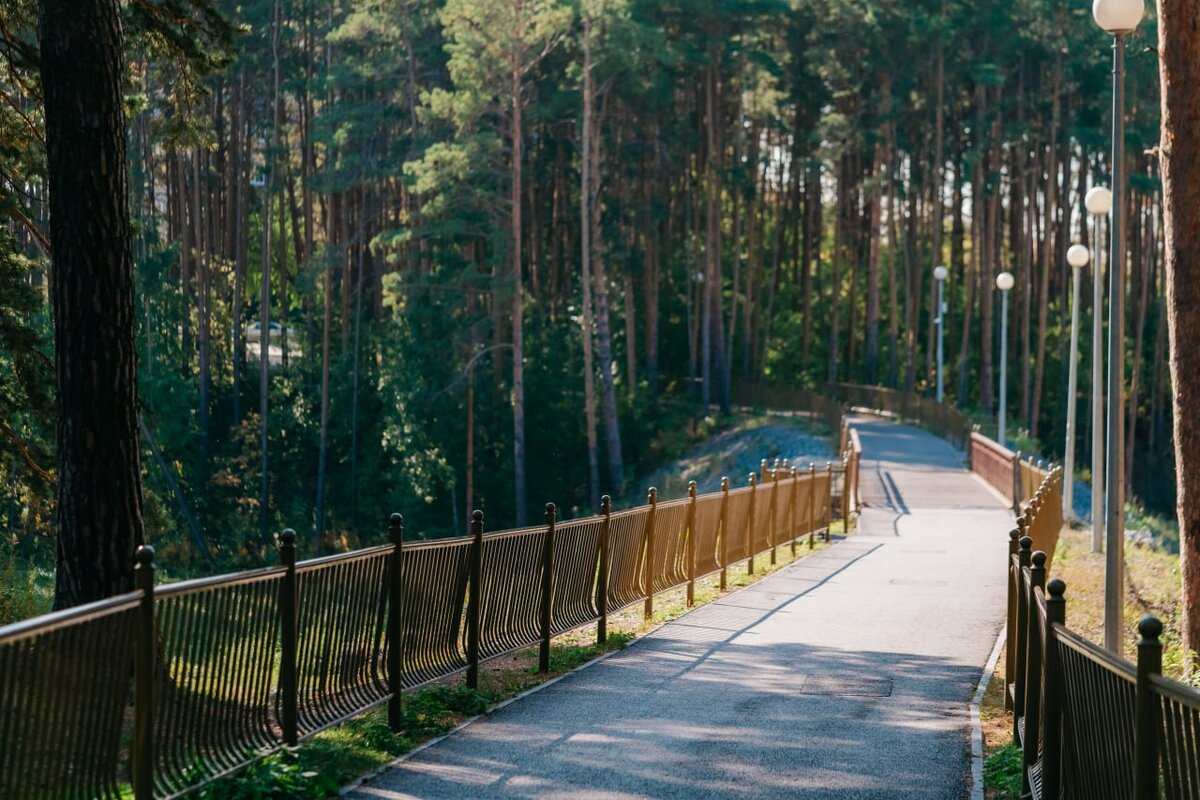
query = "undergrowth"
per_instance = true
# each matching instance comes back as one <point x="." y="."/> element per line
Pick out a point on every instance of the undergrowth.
<point x="319" y="767"/>
<point x="1002" y="772"/>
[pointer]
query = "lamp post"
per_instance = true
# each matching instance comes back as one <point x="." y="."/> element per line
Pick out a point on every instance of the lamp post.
<point x="1078" y="257"/>
<point x="1119" y="18"/>
<point x="940" y="274"/>
<point x="1098" y="202"/>
<point x="1004" y="282"/>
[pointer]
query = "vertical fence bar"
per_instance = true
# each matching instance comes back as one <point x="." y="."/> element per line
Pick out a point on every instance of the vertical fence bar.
<point x="602" y="579"/>
<point x="1147" y="729"/>
<point x="395" y="662"/>
<point x="723" y="531"/>
<point x="748" y="533"/>
<point x="691" y="545"/>
<point x="1052" y="697"/>
<point x="1010" y="629"/>
<point x="547" y="589"/>
<point x="652" y="499"/>
<point x="474" y="598"/>
<point x="143" y="704"/>
<point x="1022" y="633"/>
<point x="287" y="638"/>
<point x="1033" y="667"/>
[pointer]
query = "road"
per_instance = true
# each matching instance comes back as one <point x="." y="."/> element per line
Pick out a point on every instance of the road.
<point x="845" y="675"/>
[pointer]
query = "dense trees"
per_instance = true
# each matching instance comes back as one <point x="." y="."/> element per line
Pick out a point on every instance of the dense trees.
<point x="452" y="206"/>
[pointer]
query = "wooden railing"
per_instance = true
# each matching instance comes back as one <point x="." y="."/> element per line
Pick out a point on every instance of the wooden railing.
<point x="1089" y="723"/>
<point x="224" y="670"/>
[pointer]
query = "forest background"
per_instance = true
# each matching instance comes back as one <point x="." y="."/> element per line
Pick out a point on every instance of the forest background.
<point x="521" y="250"/>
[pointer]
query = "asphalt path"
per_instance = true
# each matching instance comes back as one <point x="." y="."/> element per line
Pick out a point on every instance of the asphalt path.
<point x="845" y="675"/>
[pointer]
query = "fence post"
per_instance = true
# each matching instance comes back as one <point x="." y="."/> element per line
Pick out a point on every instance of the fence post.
<point x="792" y="528"/>
<point x="762" y="470"/>
<point x="829" y="503"/>
<point x="748" y="533"/>
<point x="395" y="663"/>
<point x="1022" y="634"/>
<point x="143" y="705"/>
<point x="1033" y="667"/>
<point x="652" y="499"/>
<point x="1010" y="629"/>
<point x="287" y="639"/>
<point x="1017" y="482"/>
<point x="602" y="579"/>
<point x="811" y="522"/>
<point x="1147" y="729"/>
<point x="773" y="513"/>
<point x="547" y="588"/>
<point x="723" y="532"/>
<point x="1052" y="690"/>
<point x="846" y="495"/>
<point x="691" y="545"/>
<point x="474" y="598"/>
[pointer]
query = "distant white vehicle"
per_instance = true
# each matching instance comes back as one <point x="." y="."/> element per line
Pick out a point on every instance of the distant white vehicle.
<point x="254" y="331"/>
<point x="275" y="352"/>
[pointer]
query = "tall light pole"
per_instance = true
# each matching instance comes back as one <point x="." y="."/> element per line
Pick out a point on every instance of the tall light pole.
<point x="1119" y="18"/>
<point x="1078" y="257"/>
<point x="1004" y="282"/>
<point x="940" y="274"/>
<point x="1098" y="201"/>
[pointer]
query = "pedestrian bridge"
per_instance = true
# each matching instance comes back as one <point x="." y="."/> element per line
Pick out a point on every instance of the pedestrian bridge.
<point x="845" y="673"/>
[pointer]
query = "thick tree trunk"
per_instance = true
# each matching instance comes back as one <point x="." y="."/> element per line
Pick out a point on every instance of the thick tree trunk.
<point x="92" y="291"/>
<point x="1179" y="59"/>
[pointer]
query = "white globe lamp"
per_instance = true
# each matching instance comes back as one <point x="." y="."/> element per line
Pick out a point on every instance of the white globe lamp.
<point x="1098" y="200"/>
<point x="1078" y="256"/>
<point x="1118" y="16"/>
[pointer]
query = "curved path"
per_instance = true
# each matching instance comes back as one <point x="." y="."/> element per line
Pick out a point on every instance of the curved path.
<point x="846" y="674"/>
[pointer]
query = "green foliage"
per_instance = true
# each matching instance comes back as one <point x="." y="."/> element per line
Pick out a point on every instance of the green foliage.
<point x="1002" y="772"/>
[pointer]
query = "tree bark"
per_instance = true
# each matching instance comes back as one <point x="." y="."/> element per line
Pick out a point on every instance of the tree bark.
<point x="585" y="254"/>
<point x="1179" y="60"/>
<point x="92" y="291"/>
<point x="518" y="306"/>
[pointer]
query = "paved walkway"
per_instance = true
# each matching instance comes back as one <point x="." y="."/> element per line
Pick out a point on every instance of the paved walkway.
<point x="847" y="674"/>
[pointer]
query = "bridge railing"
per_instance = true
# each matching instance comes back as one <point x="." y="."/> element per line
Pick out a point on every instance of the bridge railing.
<point x="1089" y="723"/>
<point x="224" y="670"/>
<point x="944" y="420"/>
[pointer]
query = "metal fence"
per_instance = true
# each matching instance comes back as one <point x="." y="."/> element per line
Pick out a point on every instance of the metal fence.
<point x="1089" y="723"/>
<point x="946" y="421"/>
<point x="170" y="687"/>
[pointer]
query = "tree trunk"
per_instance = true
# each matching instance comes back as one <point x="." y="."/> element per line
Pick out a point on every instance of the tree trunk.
<point x="99" y="476"/>
<point x="518" y="307"/>
<point x="585" y="216"/>
<point x="873" y="267"/>
<point x="604" y="349"/>
<point x="1179" y="60"/>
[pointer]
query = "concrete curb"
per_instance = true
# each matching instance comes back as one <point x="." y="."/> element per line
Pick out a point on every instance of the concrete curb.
<point x="976" y="724"/>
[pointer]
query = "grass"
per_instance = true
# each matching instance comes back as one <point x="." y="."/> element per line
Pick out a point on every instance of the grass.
<point x="1152" y="586"/>
<point x="319" y="767"/>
